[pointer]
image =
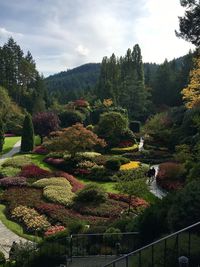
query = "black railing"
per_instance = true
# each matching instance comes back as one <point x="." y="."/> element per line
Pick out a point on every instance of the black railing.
<point x="103" y="244"/>
<point x="165" y="251"/>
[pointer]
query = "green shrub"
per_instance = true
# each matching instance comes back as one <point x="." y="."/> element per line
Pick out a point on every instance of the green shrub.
<point x="9" y="171"/>
<point x="112" y="236"/>
<point x="113" y="164"/>
<point x="54" y="181"/>
<point x="100" y="173"/>
<point x="2" y="258"/>
<point x="91" y="194"/>
<point x="58" y="194"/>
<point x="27" y="143"/>
<point x="76" y="227"/>
<point x="135" y="126"/>
<point x="17" y="162"/>
<point x="69" y="118"/>
<point x="1" y="135"/>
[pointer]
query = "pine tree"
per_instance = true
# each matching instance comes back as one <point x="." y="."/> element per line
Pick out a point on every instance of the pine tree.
<point x="27" y="143"/>
<point x="1" y="135"/>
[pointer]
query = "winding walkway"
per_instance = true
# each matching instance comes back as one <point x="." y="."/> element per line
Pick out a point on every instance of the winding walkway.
<point x="7" y="236"/>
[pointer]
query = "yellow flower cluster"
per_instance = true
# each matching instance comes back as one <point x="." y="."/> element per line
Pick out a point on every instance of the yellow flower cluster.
<point x="130" y="148"/>
<point x="31" y="218"/>
<point x="108" y="102"/>
<point x="129" y="166"/>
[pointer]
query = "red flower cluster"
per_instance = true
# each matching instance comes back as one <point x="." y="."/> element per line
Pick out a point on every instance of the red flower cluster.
<point x="125" y="143"/>
<point x="54" y="230"/>
<point x="76" y="185"/>
<point x="136" y="202"/>
<point x="33" y="171"/>
<point x="40" y="150"/>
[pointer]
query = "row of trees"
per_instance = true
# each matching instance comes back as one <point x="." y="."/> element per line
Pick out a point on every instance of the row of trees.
<point x="18" y="74"/>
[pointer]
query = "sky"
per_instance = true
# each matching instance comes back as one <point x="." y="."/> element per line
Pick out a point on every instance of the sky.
<point x="63" y="34"/>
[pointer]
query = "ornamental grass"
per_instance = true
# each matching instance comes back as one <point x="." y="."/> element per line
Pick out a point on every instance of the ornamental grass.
<point x="59" y="194"/>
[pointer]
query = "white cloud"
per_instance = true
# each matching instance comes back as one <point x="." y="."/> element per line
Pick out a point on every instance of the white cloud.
<point x="82" y="51"/>
<point x="4" y="33"/>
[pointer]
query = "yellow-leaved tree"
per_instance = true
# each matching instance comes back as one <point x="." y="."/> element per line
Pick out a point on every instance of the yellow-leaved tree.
<point x="191" y="94"/>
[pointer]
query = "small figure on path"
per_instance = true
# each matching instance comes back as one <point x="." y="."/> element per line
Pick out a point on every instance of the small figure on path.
<point x="12" y="250"/>
<point x="151" y="174"/>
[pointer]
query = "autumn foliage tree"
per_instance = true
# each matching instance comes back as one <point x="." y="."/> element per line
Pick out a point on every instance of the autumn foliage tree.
<point x="73" y="139"/>
<point x="44" y="123"/>
<point x="191" y="94"/>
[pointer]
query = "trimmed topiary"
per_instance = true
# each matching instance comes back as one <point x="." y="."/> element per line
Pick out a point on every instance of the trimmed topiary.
<point x="113" y="164"/>
<point x="27" y="143"/>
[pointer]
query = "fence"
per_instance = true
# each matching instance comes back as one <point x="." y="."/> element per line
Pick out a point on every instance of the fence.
<point x="166" y="251"/>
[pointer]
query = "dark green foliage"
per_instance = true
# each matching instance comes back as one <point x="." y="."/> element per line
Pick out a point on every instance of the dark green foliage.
<point x="69" y="118"/>
<point x="27" y="143"/>
<point x="112" y="236"/>
<point x="111" y="126"/>
<point x="19" y="76"/>
<point x="113" y="164"/>
<point x="135" y="126"/>
<point x="2" y="258"/>
<point x="185" y="208"/>
<point x="1" y="135"/>
<point x="91" y="194"/>
<point x="189" y="24"/>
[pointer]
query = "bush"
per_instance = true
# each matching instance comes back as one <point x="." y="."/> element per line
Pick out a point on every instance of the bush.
<point x="120" y="150"/>
<point x="27" y="142"/>
<point x="13" y="181"/>
<point x="33" y="171"/>
<point x="9" y="171"/>
<point x="54" y="181"/>
<point x="75" y="183"/>
<point x="2" y="258"/>
<point x="113" y="164"/>
<point x="58" y="194"/>
<point x="99" y="173"/>
<point x="69" y="118"/>
<point x="54" y="230"/>
<point x="129" y="166"/>
<point x="31" y="218"/>
<point x="135" y="126"/>
<point x="91" y="194"/>
<point x="87" y="155"/>
<point x="1" y="135"/>
<point x="17" y="162"/>
<point x="112" y="236"/>
<point x="40" y="150"/>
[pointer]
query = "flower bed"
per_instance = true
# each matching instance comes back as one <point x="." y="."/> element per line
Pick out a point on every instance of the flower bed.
<point x="13" y="181"/>
<point x="54" y="181"/>
<point x="52" y="230"/>
<point x="30" y="218"/>
<point x="75" y="183"/>
<point x="135" y="202"/>
<point x="17" y="162"/>
<point x="125" y="149"/>
<point x="58" y="194"/>
<point x="129" y="166"/>
<point x="33" y="171"/>
<point x="22" y="196"/>
<point x="54" y="161"/>
<point x="9" y="171"/>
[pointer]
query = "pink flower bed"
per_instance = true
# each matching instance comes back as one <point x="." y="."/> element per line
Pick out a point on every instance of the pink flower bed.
<point x="136" y="202"/>
<point x="33" y="171"/>
<point x="75" y="183"/>
<point x="40" y="150"/>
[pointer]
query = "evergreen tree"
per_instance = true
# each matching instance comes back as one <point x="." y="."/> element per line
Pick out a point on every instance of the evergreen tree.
<point x="27" y="143"/>
<point x="1" y="135"/>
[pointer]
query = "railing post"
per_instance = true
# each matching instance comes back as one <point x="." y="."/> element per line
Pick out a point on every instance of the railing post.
<point x="189" y="243"/>
<point x="165" y="252"/>
<point x="152" y="255"/>
<point x="140" y="259"/>
<point x="126" y="261"/>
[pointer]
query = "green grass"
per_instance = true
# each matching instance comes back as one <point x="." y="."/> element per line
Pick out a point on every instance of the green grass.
<point x="9" y="143"/>
<point x="38" y="160"/>
<point x="16" y="228"/>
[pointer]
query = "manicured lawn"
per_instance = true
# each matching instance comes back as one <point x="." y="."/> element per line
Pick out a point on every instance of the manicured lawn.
<point x="38" y="160"/>
<point x="16" y="228"/>
<point x="9" y="143"/>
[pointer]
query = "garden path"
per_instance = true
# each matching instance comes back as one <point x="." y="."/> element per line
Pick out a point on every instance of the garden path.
<point x="6" y="236"/>
<point x="13" y="151"/>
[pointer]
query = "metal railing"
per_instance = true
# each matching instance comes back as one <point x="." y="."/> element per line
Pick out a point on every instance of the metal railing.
<point x="83" y="245"/>
<point x="165" y="251"/>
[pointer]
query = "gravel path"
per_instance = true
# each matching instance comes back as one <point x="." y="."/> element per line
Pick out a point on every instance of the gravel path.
<point x="6" y="236"/>
<point x="13" y="151"/>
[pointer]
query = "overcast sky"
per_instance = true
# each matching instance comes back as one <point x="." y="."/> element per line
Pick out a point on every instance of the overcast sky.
<point x="63" y="34"/>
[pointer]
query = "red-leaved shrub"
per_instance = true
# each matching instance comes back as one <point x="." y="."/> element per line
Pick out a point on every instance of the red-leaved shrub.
<point x="33" y="171"/>
<point x="125" y="143"/>
<point x="13" y="181"/>
<point x="136" y="202"/>
<point x="54" y="161"/>
<point x="40" y="150"/>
